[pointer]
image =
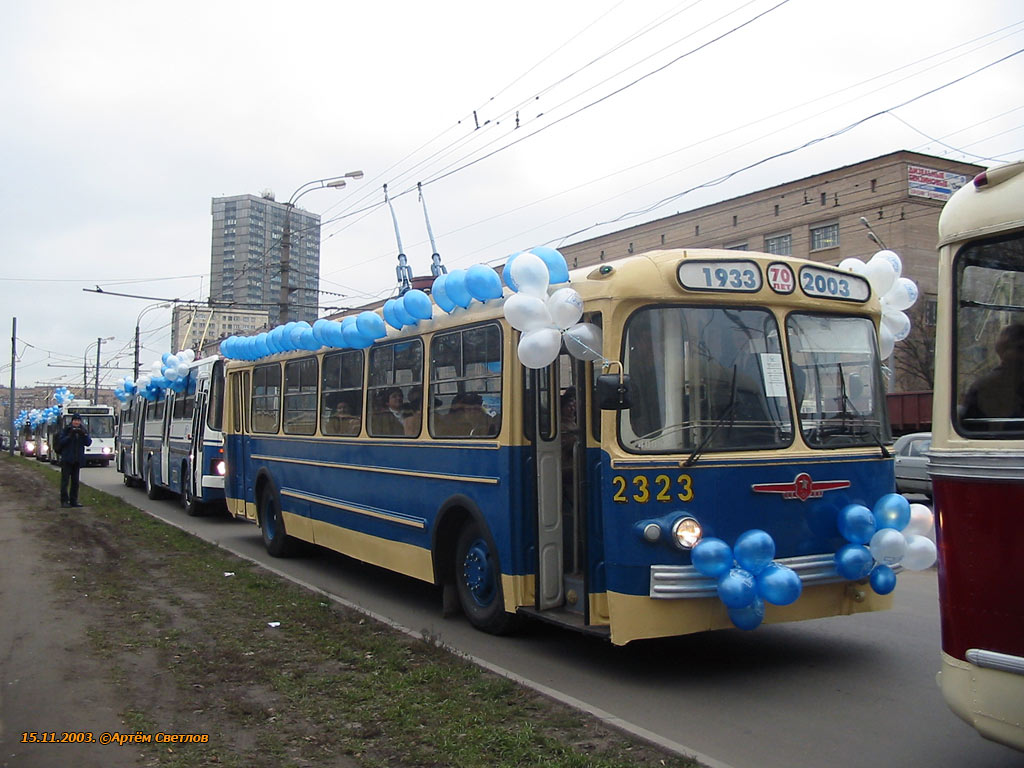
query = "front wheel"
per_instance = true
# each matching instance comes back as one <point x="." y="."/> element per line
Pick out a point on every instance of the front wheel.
<point x="275" y="539"/>
<point x="478" y="582"/>
<point x="189" y="503"/>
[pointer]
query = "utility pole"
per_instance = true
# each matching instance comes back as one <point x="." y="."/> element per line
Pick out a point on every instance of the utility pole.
<point x="286" y="247"/>
<point x="96" y="381"/>
<point x="14" y="349"/>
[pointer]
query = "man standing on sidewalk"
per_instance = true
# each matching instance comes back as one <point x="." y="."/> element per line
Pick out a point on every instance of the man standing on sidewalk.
<point x="71" y="445"/>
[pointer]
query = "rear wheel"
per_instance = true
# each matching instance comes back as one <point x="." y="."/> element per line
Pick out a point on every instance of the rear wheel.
<point x="152" y="489"/>
<point x="478" y="582"/>
<point x="275" y="539"/>
<point x="189" y="503"/>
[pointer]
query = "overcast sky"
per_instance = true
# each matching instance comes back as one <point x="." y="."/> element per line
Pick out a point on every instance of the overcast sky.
<point x="123" y="119"/>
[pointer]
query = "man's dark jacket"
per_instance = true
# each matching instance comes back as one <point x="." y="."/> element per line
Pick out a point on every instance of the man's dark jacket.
<point x="71" y="445"/>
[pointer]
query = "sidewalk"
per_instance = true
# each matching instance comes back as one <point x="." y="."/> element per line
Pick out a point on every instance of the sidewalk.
<point x="50" y="682"/>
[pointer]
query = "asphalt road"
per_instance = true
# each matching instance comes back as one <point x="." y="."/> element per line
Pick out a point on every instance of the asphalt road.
<point x="845" y="692"/>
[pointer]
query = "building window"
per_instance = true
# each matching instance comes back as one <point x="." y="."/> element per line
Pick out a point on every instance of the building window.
<point x="874" y="184"/>
<point x="931" y="312"/>
<point x="776" y="209"/>
<point x="780" y="245"/>
<point x="825" y="236"/>
<point x="824" y="198"/>
<point x="737" y="247"/>
<point x="735" y="220"/>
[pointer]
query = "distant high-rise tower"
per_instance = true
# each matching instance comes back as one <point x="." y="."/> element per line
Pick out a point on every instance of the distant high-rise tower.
<point x="245" y="263"/>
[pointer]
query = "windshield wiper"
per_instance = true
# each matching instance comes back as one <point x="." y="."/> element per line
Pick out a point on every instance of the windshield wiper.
<point x="865" y="430"/>
<point x="691" y="460"/>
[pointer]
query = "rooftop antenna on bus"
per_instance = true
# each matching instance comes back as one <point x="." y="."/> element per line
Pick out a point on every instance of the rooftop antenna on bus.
<point x="402" y="271"/>
<point x="436" y="267"/>
<point x="871" y="234"/>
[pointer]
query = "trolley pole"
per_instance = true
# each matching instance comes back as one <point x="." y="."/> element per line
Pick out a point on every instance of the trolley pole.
<point x="14" y="349"/>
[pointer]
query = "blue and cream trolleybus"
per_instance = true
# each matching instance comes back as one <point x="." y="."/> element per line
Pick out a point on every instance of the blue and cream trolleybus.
<point x="664" y="445"/>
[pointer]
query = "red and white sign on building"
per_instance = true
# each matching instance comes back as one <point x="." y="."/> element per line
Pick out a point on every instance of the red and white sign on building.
<point x="935" y="185"/>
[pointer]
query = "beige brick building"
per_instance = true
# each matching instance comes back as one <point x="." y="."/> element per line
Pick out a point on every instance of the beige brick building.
<point x="818" y="217"/>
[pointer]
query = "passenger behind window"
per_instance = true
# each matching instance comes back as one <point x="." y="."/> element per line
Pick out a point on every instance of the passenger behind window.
<point x="387" y="419"/>
<point x="412" y="413"/>
<point x="998" y="396"/>
<point x="343" y="421"/>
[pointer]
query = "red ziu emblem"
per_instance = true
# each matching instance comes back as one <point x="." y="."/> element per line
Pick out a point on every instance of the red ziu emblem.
<point x="802" y="487"/>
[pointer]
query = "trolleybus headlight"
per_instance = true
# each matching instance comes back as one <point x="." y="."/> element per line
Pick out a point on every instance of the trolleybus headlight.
<point x="106" y="450"/>
<point x="219" y="468"/>
<point x="686" y="532"/>
<point x="30" y="446"/>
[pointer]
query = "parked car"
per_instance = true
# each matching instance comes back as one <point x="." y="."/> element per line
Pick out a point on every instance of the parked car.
<point x="912" y="463"/>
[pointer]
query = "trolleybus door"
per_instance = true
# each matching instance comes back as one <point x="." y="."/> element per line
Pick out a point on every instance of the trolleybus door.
<point x="547" y="452"/>
<point x="138" y="461"/>
<point x="193" y="483"/>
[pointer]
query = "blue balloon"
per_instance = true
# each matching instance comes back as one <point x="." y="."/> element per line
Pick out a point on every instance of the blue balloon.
<point x="225" y="347"/>
<point x="350" y="332"/>
<point x="711" y="557"/>
<point x="164" y="356"/>
<point x="748" y="617"/>
<point x="401" y="314"/>
<point x="418" y="304"/>
<point x="506" y="272"/>
<point x="262" y="347"/>
<point x="737" y="588"/>
<point x="318" y="330"/>
<point x="307" y="340"/>
<point x="483" y="283"/>
<point x="754" y="549"/>
<point x="856" y="523"/>
<point x="440" y="295"/>
<point x="883" y="579"/>
<point x="892" y="511"/>
<point x="288" y="343"/>
<point x="333" y="337"/>
<point x="854" y="561"/>
<point x="779" y="585"/>
<point x="371" y="325"/>
<point x="455" y="287"/>
<point x="555" y="262"/>
<point x="388" y="310"/>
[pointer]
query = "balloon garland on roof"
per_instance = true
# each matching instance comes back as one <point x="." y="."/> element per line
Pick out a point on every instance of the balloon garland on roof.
<point x="884" y="272"/>
<point x="544" y="321"/>
<point x="169" y="373"/>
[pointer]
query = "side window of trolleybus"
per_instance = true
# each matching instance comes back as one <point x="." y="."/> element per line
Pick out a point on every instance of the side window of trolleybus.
<point x="837" y="379"/>
<point x="705" y="379"/>
<point x="989" y="373"/>
<point x="266" y="398"/>
<point x="465" y="383"/>
<point x="395" y="390"/>
<point x="300" y="380"/>
<point x="341" y="393"/>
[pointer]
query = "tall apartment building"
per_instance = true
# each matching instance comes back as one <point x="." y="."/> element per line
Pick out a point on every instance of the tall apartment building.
<point x="819" y="218"/>
<point x="245" y="263"/>
<point x="201" y="327"/>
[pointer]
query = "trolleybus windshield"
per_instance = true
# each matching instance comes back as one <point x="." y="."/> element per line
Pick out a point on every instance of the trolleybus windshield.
<point x="705" y="379"/>
<point x="837" y="380"/>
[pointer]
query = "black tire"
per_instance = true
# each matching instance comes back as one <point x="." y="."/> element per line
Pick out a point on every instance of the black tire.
<point x="152" y="489"/>
<point x="188" y="502"/>
<point x="275" y="538"/>
<point x="478" y="582"/>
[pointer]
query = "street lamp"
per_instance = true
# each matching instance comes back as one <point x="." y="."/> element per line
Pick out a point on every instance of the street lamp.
<point x="85" y="370"/>
<point x="138" y="320"/>
<point x="334" y="182"/>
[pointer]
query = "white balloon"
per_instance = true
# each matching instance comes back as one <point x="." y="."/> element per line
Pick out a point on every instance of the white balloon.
<point x="540" y="347"/>
<point x="565" y="307"/>
<point x="853" y="265"/>
<point x="530" y="273"/>
<point x="584" y="341"/>
<point x="171" y="374"/>
<point x="188" y="355"/>
<point x="880" y="274"/>
<point x="182" y="370"/>
<point x="898" y="324"/>
<point x="172" y="362"/>
<point x="920" y="554"/>
<point x="156" y="366"/>
<point x="886" y="342"/>
<point x="921" y="521"/>
<point x="888" y="546"/>
<point x="525" y="312"/>
<point x="901" y="296"/>
<point x="143" y="382"/>
<point x="893" y="259"/>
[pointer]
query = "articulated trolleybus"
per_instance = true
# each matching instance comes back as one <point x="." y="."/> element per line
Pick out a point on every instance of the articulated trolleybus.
<point x="173" y="444"/>
<point x="722" y="394"/>
<point x="977" y="453"/>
